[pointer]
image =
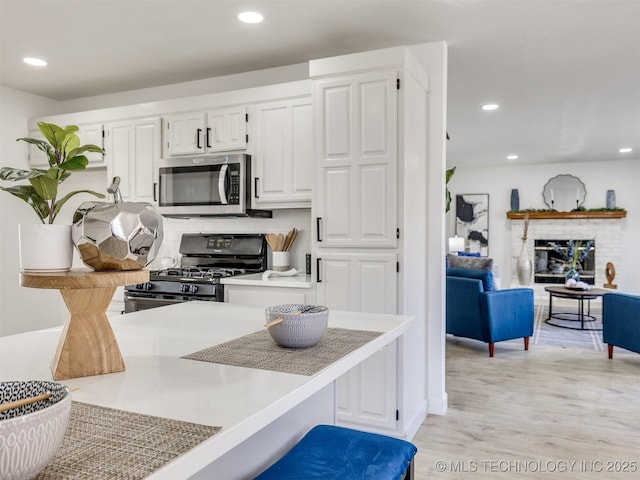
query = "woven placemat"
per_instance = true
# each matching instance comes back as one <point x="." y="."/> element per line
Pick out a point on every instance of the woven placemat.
<point x="258" y="350"/>
<point x="105" y="443"/>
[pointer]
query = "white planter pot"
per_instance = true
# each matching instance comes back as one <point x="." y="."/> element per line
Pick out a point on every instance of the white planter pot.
<point x="45" y="248"/>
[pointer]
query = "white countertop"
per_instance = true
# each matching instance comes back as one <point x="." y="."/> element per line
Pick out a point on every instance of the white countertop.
<point x="301" y="280"/>
<point x="158" y="382"/>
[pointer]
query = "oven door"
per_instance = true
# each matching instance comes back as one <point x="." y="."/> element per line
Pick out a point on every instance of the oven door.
<point x="202" y="186"/>
<point x="134" y="302"/>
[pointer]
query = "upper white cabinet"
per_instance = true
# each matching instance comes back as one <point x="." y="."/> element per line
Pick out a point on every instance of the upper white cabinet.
<point x="284" y="158"/>
<point x="92" y="134"/>
<point x="131" y="148"/>
<point x="227" y="129"/>
<point x="184" y="133"/>
<point x="206" y="131"/>
<point x="357" y="160"/>
<point x="88" y="134"/>
<point x="37" y="158"/>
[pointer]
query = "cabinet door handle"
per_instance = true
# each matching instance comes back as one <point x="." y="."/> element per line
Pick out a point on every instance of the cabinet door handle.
<point x="318" y="221"/>
<point x="318" y="279"/>
<point x="155" y="186"/>
<point x="198" y="133"/>
<point x="208" y="133"/>
<point x="255" y="187"/>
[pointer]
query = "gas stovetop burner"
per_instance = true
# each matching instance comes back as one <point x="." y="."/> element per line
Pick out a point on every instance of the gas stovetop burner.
<point x="175" y="274"/>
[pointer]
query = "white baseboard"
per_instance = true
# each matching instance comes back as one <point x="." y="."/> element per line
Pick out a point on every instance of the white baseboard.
<point x="413" y="425"/>
<point x="438" y="406"/>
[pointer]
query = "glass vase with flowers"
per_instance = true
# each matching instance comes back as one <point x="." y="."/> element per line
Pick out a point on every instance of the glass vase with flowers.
<point x="573" y="255"/>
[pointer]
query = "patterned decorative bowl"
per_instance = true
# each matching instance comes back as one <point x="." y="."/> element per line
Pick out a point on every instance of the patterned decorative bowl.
<point x="30" y="435"/>
<point x="301" y="326"/>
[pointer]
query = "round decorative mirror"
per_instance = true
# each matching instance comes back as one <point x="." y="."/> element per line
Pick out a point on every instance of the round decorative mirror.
<point x="564" y="193"/>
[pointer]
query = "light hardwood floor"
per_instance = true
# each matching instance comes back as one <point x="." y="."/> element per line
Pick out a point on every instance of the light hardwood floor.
<point x="547" y="413"/>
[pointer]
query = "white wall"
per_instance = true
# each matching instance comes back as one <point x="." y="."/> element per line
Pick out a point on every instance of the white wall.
<point x="598" y="177"/>
<point x="21" y="309"/>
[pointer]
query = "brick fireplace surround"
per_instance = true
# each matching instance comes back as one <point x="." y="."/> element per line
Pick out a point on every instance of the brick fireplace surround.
<point x="605" y="232"/>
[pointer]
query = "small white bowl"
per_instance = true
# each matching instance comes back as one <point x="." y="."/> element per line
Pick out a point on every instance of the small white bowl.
<point x="31" y="435"/>
<point x="302" y="325"/>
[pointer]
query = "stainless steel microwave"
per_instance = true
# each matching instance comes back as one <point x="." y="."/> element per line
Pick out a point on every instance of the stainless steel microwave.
<point x="206" y="187"/>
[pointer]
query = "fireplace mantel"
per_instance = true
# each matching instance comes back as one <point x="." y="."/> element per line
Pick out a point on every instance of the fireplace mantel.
<point x="596" y="214"/>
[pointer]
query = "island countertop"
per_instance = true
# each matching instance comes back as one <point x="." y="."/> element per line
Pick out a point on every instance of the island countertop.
<point x="158" y="382"/>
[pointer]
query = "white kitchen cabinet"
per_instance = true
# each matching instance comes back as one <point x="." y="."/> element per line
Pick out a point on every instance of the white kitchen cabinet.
<point x="92" y="134"/>
<point x="88" y="134"/>
<point x="227" y="129"/>
<point x="37" y="158"/>
<point x="131" y="148"/>
<point x="370" y="117"/>
<point x="357" y="282"/>
<point x="366" y="395"/>
<point x="267" y="296"/>
<point x="357" y="194"/>
<point x="204" y="132"/>
<point x="284" y="158"/>
<point x="363" y="282"/>
<point x="184" y="133"/>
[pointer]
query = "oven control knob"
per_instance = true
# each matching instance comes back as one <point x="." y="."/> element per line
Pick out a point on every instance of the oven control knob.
<point x="193" y="288"/>
<point x="147" y="286"/>
<point x="184" y="288"/>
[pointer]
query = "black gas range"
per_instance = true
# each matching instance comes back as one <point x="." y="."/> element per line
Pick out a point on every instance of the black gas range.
<point x="205" y="259"/>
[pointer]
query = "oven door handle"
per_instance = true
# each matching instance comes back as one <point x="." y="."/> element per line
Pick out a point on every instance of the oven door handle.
<point x="222" y="184"/>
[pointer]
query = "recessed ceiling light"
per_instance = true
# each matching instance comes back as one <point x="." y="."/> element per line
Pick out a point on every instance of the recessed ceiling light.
<point x="250" y="17"/>
<point x="512" y="157"/>
<point x="36" y="62"/>
<point x="625" y="150"/>
<point x="490" y="106"/>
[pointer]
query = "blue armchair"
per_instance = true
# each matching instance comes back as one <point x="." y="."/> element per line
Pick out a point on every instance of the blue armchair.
<point x="621" y="321"/>
<point x="475" y="310"/>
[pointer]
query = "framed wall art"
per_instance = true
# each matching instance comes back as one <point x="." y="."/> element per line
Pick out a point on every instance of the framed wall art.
<point x="472" y="221"/>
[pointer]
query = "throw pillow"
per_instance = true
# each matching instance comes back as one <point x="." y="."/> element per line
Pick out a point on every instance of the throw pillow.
<point x="473" y="263"/>
<point x="485" y="276"/>
<point x="468" y="254"/>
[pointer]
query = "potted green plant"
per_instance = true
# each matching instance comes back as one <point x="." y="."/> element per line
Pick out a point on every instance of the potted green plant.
<point x="52" y="243"/>
<point x="447" y="193"/>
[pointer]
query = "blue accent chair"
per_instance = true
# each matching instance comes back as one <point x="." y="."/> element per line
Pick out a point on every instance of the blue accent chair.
<point x="328" y="452"/>
<point x="475" y="310"/>
<point x="621" y="321"/>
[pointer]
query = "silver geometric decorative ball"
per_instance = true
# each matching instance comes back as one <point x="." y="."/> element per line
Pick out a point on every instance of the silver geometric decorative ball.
<point x="117" y="236"/>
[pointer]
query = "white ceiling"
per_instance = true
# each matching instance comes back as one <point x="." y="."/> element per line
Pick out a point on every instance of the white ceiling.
<point x="566" y="73"/>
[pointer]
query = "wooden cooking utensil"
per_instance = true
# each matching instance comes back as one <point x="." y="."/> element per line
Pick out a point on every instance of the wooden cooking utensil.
<point x="287" y="241"/>
<point x="272" y="240"/>
<point x="280" y="242"/>
<point x="293" y="237"/>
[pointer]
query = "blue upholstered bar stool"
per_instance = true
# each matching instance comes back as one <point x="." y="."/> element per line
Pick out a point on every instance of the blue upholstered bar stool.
<point x="327" y="452"/>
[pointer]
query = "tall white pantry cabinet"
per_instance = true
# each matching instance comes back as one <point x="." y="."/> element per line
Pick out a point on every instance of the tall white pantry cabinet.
<point x="358" y="208"/>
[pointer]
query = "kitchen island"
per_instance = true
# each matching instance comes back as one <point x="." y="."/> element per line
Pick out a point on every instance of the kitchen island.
<point x="261" y="413"/>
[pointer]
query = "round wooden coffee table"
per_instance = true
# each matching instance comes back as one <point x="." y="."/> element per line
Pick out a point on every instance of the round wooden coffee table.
<point x="580" y="296"/>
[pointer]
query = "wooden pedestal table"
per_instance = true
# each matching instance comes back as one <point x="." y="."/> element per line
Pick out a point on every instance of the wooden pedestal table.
<point x="87" y="345"/>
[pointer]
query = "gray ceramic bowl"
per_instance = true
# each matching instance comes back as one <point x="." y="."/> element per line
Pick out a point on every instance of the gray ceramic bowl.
<point x="30" y="435"/>
<point x="302" y="326"/>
